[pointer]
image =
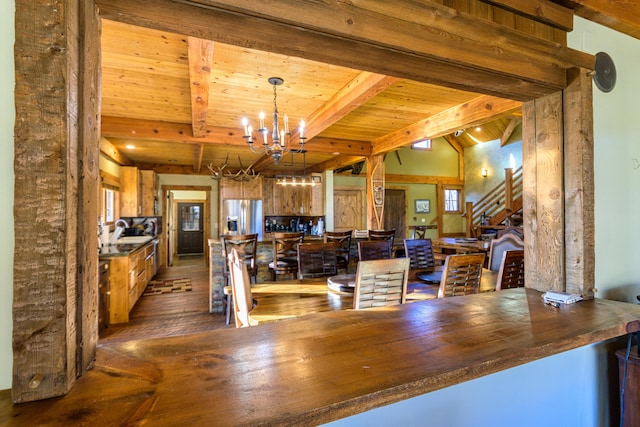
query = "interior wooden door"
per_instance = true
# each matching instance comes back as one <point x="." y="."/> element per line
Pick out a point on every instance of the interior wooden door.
<point x="190" y="228"/>
<point x="395" y="212"/>
<point x="348" y="209"/>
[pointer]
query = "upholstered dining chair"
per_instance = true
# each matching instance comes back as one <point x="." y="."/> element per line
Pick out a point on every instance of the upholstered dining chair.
<point x="241" y="289"/>
<point x="381" y="283"/>
<point x="285" y="253"/>
<point x="511" y="273"/>
<point x="506" y="242"/>
<point x="317" y="260"/>
<point x="461" y="275"/>
<point x="246" y="246"/>
<point x="374" y="249"/>
<point x="420" y="253"/>
<point x="342" y="239"/>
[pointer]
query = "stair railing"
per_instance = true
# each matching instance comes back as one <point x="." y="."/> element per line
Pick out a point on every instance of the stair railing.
<point x="499" y="203"/>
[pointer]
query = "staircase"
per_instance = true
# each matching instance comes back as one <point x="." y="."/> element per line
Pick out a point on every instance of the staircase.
<point x="499" y="204"/>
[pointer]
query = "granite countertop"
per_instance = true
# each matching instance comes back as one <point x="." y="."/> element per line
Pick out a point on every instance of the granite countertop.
<point x="125" y="248"/>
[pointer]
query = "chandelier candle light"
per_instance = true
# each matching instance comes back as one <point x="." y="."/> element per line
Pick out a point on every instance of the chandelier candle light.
<point x="280" y="137"/>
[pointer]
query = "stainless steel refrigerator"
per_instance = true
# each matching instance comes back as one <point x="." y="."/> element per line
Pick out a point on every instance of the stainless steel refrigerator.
<point x="242" y="217"/>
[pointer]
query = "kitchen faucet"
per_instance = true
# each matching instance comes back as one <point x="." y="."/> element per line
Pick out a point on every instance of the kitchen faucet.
<point x="122" y="221"/>
<point x="118" y="231"/>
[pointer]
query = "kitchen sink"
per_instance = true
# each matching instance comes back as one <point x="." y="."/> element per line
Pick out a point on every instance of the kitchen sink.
<point x="133" y="239"/>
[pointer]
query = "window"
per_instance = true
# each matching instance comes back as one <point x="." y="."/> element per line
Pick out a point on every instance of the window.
<point x="109" y="205"/>
<point x="452" y="200"/>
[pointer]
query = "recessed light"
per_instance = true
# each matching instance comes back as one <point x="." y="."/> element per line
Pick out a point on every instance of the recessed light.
<point x="478" y="129"/>
<point x="172" y="161"/>
<point x="130" y="146"/>
<point x="336" y="153"/>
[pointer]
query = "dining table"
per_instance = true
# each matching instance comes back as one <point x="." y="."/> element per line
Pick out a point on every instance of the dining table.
<point x="294" y="298"/>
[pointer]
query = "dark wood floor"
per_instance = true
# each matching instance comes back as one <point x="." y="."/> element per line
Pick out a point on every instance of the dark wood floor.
<point x="171" y="314"/>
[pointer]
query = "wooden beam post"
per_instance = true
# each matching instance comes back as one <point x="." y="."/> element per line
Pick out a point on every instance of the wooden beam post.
<point x="375" y="192"/>
<point x="56" y="205"/>
<point x="579" y="190"/>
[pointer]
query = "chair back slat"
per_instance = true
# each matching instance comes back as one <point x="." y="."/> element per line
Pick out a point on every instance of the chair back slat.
<point x="382" y="235"/>
<point x="420" y="253"/>
<point x="381" y="283"/>
<point x="374" y="249"/>
<point x="511" y="273"/>
<point x="317" y="260"/>
<point x="461" y="275"/>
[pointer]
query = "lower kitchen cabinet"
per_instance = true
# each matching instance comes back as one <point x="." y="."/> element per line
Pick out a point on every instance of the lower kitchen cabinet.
<point x="129" y="277"/>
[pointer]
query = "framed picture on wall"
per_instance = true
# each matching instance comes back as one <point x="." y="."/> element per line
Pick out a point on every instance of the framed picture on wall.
<point x="423" y="206"/>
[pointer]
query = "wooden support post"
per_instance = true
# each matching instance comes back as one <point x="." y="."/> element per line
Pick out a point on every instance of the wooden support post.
<point x="579" y="233"/>
<point x="375" y="192"/>
<point x="508" y="190"/>
<point x="469" y="217"/>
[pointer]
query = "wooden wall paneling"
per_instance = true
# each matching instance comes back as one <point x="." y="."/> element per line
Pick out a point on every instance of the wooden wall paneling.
<point x="579" y="185"/>
<point x="47" y="210"/>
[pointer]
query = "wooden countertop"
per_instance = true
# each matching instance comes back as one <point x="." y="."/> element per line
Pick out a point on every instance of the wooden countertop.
<point x="321" y="367"/>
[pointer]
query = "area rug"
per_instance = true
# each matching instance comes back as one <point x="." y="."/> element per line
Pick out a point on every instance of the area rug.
<point x="157" y="287"/>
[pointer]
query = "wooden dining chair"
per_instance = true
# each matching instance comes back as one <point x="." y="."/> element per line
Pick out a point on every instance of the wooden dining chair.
<point x="285" y="253"/>
<point x="461" y="275"/>
<point x="511" y="273"/>
<point x="342" y="239"/>
<point x="381" y="283"/>
<point x="420" y="253"/>
<point x="497" y="247"/>
<point x="317" y="260"/>
<point x="374" y="249"/>
<point x="246" y="246"/>
<point x="241" y="289"/>
<point x="419" y="232"/>
<point x="382" y="235"/>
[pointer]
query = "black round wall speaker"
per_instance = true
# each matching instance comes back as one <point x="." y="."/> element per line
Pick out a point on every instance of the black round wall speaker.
<point x="605" y="76"/>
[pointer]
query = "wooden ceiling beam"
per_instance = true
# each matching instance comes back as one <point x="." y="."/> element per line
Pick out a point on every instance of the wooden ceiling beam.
<point x="335" y="163"/>
<point x="118" y="127"/>
<point x="358" y="91"/>
<point x="509" y="131"/>
<point x="620" y="15"/>
<point x="423" y="179"/>
<point x="543" y="11"/>
<point x="200" y="61"/>
<point x="198" y="153"/>
<point x="473" y="113"/>
<point x="109" y="150"/>
<point x="478" y="55"/>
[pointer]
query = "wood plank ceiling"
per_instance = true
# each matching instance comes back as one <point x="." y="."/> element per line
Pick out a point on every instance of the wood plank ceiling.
<point x="147" y="102"/>
<point x="179" y="100"/>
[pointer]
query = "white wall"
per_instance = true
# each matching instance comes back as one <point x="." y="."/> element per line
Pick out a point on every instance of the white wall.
<point x="617" y="163"/>
<point x="7" y="120"/>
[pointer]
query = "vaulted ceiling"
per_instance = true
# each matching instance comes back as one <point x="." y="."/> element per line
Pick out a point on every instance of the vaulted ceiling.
<point x="147" y="102"/>
<point x="179" y="100"/>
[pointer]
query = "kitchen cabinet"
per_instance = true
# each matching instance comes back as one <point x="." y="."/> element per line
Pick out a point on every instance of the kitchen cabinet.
<point x="139" y="192"/>
<point x="128" y="279"/>
<point x="232" y="189"/>
<point x="298" y="200"/>
<point x="268" y="207"/>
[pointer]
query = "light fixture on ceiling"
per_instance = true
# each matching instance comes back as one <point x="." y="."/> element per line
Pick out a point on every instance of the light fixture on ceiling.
<point x="280" y="136"/>
<point x="303" y="179"/>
